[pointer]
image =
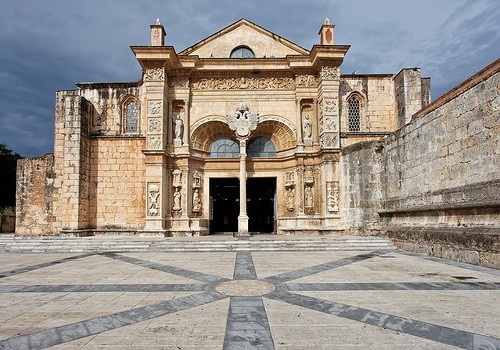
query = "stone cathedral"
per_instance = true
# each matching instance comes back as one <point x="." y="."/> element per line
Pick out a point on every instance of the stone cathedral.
<point x="243" y="132"/>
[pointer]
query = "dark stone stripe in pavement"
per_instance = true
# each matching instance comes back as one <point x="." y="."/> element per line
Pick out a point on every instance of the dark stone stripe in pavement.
<point x="389" y="286"/>
<point x="74" y="331"/>
<point x="203" y="277"/>
<point x="442" y="334"/>
<point x="244" y="268"/>
<point x="247" y="325"/>
<point x="292" y="275"/>
<point x="462" y="265"/>
<point x="42" y="265"/>
<point x="98" y="288"/>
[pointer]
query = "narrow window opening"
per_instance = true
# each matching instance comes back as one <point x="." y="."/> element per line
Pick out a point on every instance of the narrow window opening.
<point x="354" y="114"/>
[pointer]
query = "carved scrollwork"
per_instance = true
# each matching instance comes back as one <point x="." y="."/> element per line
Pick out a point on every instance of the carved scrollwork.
<point x="152" y="74"/>
<point x="178" y="82"/>
<point x="306" y="80"/>
<point x="154" y="125"/>
<point x="329" y="73"/>
<point x="244" y="83"/>
<point x="154" y="142"/>
<point x="154" y="107"/>
<point x="153" y="195"/>
<point x="329" y="106"/>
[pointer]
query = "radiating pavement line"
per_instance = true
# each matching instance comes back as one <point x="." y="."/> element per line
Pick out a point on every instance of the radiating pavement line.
<point x="78" y="330"/>
<point x="247" y="325"/>
<point x="308" y="271"/>
<point x="99" y="288"/>
<point x="389" y="286"/>
<point x="42" y="265"/>
<point x="203" y="277"/>
<point x="244" y="268"/>
<point x="442" y="334"/>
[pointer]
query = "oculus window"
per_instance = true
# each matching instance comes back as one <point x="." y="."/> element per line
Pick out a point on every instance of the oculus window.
<point x="242" y="52"/>
<point x="261" y="147"/>
<point x="224" y="147"/>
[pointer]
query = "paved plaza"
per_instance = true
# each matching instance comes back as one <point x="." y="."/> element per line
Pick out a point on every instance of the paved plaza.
<point x="384" y="299"/>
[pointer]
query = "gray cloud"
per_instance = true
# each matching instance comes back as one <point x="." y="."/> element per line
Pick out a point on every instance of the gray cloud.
<point x="49" y="45"/>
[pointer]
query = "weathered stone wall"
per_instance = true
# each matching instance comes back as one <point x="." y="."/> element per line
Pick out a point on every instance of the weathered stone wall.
<point x="377" y="106"/>
<point x="35" y="196"/>
<point x="117" y="183"/>
<point x="448" y="159"/>
<point x="411" y="92"/>
<point x="362" y="174"/>
<point x="439" y="189"/>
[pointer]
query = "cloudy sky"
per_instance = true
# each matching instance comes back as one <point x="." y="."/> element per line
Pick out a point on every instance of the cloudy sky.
<point x="49" y="45"/>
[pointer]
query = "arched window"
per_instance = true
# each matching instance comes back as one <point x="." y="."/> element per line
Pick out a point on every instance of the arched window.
<point x="224" y="147"/>
<point x="354" y="113"/>
<point x="261" y="147"/>
<point x="131" y="118"/>
<point x="242" y="52"/>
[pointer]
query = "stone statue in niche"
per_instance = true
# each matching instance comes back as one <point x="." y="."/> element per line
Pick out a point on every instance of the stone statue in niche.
<point x="309" y="197"/>
<point x="242" y="121"/>
<point x="178" y="127"/>
<point x="290" y="199"/>
<point x="154" y="193"/>
<point x="333" y="199"/>
<point x="177" y="200"/>
<point x="307" y="128"/>
<point x="196" y="200"/>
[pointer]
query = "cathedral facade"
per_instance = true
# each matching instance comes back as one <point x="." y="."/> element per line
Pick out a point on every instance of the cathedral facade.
<point x="243" y="132"/>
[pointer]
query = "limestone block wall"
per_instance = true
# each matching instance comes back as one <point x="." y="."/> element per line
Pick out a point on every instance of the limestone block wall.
<point x="117" y="183"/>
<point x="35" y="196"/>
<point x="378" y="108"/>
<point x="448" y="158"/>
<point x="107" y="106"/>
<point x="362" y="167"/>
<point x="411" y="92"/>
<point x="439" y="186"/>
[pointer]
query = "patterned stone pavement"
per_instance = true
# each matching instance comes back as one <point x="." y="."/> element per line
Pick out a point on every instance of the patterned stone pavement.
<point x="386" y="299"/>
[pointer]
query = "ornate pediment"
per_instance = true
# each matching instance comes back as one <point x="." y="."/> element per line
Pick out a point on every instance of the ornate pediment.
<point x="244" y="33"/>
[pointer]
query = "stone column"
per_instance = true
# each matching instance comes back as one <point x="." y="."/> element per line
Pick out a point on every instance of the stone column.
<point x="243" y="217"/>
<point x="156" y="186"/>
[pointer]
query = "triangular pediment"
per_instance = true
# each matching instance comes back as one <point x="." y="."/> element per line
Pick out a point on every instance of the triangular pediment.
<point x="262" y="42"/>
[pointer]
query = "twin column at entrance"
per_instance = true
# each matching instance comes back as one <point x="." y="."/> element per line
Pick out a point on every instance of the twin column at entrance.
<point x="243" y="217"/>
<point x="242" y="122"/>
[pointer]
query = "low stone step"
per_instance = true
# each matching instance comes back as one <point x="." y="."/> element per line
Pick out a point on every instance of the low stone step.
<point x="55" y="244"/>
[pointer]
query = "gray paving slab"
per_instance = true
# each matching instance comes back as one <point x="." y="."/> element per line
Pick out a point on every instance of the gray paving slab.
<point x="305" y="302"/>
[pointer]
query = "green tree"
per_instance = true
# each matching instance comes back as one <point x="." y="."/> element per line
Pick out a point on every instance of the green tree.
<point x="8" y="161"/>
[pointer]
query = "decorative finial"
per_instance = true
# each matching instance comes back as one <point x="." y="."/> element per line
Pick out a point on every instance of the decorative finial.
<point x="157" y="23"/>
<point x="327" y="22"/>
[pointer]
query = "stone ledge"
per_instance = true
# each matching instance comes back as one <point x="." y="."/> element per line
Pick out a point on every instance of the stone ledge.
<point x="479" y="246"/>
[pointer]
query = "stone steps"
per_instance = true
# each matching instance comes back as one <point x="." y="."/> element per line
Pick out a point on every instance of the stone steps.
<point x="201" y="244"/>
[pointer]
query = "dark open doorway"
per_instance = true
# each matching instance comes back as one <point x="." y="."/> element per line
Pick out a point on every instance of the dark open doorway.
<point x="225" y="205"/>
<point x="260" y="204"/>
